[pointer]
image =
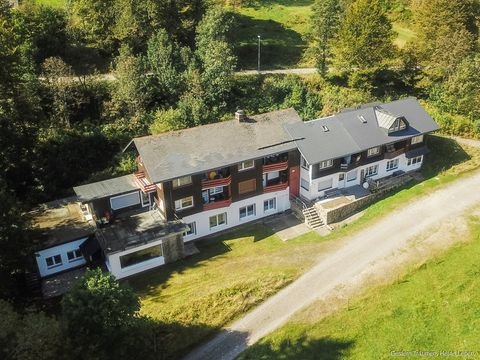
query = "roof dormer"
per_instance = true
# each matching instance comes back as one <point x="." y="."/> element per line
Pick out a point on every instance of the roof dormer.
<point x="389" y="122"/>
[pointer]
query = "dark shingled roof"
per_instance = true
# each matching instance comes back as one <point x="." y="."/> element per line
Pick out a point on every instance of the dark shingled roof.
<point x="106" y="188"/>
<point x="348" y="134"/>
<point x="179" y="153"/>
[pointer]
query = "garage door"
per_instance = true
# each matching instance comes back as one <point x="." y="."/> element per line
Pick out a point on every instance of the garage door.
<point x="123" y="201"/>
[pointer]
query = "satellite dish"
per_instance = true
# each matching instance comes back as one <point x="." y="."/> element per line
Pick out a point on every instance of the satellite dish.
<point x="366" y="185"/>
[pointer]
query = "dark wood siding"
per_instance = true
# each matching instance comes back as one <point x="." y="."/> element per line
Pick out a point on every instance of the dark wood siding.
<point x="171" y="194"/>
<point x="239" y="176"/>
<point x="293" y="158"/>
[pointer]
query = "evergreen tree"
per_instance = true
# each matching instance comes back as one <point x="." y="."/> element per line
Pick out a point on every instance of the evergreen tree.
<point x="215" y="58"/>
<point x="166" y="65"/>
<point x="15" y="242"/>
<point x="324" y="25"/>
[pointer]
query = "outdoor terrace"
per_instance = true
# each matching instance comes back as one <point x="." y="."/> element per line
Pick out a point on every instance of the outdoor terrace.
<point x="134" y="228"/>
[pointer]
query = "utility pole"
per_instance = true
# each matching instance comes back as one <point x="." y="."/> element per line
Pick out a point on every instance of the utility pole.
<point x="258" y="36"/>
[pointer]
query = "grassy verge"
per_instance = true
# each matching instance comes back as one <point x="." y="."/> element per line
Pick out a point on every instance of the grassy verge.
<point x="193" y="298"/>
<point x="432" y="308"/>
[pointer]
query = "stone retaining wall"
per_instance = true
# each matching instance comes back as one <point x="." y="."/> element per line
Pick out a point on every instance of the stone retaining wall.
<point x="342" y="212"/>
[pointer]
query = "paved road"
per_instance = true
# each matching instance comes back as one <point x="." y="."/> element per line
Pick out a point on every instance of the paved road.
<point x="300" y="71"/>
<point x="340" y="265"/>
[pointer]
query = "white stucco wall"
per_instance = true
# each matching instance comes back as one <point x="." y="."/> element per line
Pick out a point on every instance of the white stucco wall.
<point x="61" y="250"/>
<point x="112" y="262"/>
<point x="202" y="219"/>
<point x="313" y="192"/>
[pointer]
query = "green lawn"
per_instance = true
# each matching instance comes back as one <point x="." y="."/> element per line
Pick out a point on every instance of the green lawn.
<point x="282" y="25"/>
<point x="52" y="3"/>
<point x="196" y="296"/>
<point x="193" y="298"/>
<point x="404" y="34"/>
<point x="435" y="307"/>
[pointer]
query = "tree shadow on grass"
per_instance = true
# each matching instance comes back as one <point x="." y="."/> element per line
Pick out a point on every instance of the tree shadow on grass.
<point x="256" y="4"/>
<point x="148" y="282"/>
<point x="299" y="348"/>
<point x="444" y="154"/>
<point x="280" y="47"/>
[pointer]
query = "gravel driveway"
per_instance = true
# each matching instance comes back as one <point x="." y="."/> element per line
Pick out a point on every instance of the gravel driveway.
<point x="336" y="267"/>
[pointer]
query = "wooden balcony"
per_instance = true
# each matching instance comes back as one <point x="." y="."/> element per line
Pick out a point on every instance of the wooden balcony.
<point x="217" y="204"/>
<point x="143" y="183"/>
<point x="394" y="154"/>
<point x="280" y="166"/>
<point x="275" y="187"/>
<point x="207" y="184"/>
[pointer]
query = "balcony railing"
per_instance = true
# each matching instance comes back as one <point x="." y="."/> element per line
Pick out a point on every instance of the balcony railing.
<point x="280" y="166"/>
<point x="222" y="181"/>
<point x="394" y="154"/>
<point x="143" y="183"/>
<point x="275" y="187"/>
<point x="217" y="204"/>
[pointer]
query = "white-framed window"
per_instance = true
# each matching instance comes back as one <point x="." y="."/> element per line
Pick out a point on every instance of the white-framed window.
<point x="392" y="164"/>
<point x="74" y="255"/>
<point x="371" y="171"/>
<point x="245" y="165"/>
<point x="218" y="220"/>
<point x="415" y="160"/>
<point x="125" y="200"/>
<point x="398" y="125"/>
<point x="373" y="151"/>
<point x="325" y="184"/>
<point x="215" y="190"/>
<point x="352" y="175"/>
<point x="181" y="181"/>
<point x="305" y="184"/>
<point x="53" y="261"/>
<point x="270" y="204"/>
<point x="247" y="211"/>
<point x="325" y="164"/>
<point x="417" y="139"/>
<point x="192" y="229"/>
<point x="304" y="163"/>
<point x="145" y="198"/>
<point x="184" y="203"/>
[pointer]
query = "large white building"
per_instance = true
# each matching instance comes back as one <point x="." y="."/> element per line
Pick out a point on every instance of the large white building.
<point x="194" y="183"/>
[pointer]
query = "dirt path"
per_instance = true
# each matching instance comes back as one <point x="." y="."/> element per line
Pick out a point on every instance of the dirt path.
<point x="339" y="266"/>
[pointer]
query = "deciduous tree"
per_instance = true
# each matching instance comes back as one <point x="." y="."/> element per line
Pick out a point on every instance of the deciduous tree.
<point x="444" y="35"/>
<point x="98" y="312"/>
<point x="364" y="41"/>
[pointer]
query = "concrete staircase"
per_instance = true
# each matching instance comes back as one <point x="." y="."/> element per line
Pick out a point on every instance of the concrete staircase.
<point x="312" y="218"/>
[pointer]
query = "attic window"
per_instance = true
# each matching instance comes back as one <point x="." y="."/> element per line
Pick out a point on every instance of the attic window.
<point x="398" y="124"/>
<point x="325" y="128"/>
<point x="362" y="119"/>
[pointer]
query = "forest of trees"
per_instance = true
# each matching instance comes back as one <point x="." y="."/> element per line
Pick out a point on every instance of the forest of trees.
<point x="174" y="62"/>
